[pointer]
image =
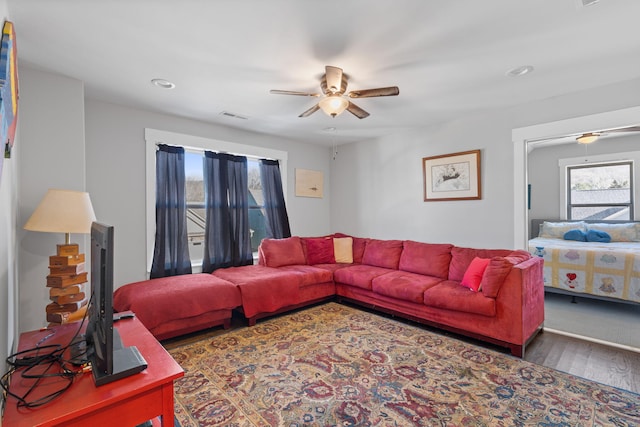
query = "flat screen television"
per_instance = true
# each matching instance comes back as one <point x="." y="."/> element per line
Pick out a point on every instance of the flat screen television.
<point x="110" y="360"/>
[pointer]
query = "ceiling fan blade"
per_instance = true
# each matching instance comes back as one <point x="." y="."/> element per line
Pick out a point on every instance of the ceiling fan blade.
<point x="381" y="91"/>
<point x="575" y="135"/>
<point x="357" y="111"/>
<point x="291" y="92"/>
<point x="310" y="111"/>
<point x="333" y="76"/>
<point x="627" y="129"/>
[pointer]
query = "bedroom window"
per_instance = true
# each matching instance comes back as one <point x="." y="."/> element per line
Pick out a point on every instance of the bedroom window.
<point x="600" y="191"/>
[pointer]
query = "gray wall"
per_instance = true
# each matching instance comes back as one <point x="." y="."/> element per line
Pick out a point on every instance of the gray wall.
<point x="544" y="173"/>
<point x="8" y="247"/>
<point x="116" y="176"/>
<point x="379" y="183"/>
<point x="51" y="125"/>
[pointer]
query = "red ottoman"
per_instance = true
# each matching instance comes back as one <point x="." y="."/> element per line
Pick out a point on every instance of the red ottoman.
<point x="177" y="305"/>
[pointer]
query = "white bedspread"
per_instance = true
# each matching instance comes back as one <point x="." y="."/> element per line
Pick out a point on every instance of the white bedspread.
<point x="603" y="269"/>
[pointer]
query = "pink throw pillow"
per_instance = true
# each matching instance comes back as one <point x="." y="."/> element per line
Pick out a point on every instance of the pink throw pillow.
<point x="473" y="276"/>
<point x="319" y="250"/>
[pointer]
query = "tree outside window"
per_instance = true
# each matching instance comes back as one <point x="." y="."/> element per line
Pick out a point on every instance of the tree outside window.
<point x="603" y="191"/>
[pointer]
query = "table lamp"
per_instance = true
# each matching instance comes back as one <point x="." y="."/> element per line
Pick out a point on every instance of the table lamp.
<point x="65" y="211"/>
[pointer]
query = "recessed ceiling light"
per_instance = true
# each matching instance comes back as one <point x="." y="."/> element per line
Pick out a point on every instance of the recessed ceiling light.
<point x="520" y="71"/>
<point x="162" y="83"/>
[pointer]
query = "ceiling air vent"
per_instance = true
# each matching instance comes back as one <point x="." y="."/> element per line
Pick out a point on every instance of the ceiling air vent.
<point x="233" y="115"/>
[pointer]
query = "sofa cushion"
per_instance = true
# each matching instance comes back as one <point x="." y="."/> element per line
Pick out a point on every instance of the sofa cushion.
<point x="473" y="276"/>
<point x="383" y="253"/>
<point x="164" y="299"/>
<point x="343" y="249"/>
<point x="450" y="295"/>
<point x="309" y="275"/>
<point x="497" y="271"/>
<point x="430" y="259"/>
<point x="359" y="275"/>
<point x="319" y="250"/>
<point x="279" y="252"/>
<point x="404" y="285"/>
<point x="462" y="257"/>
<point x="263" y="289"/>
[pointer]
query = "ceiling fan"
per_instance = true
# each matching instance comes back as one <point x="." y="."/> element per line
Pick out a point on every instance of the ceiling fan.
<point x="334" y="100"/>
<point x="588" y="137"/>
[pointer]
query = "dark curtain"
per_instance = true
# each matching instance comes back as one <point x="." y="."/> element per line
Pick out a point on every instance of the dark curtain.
<point x="171" y="251"/>
<point x="276" y="211"/>
<point x="227" y="234"/>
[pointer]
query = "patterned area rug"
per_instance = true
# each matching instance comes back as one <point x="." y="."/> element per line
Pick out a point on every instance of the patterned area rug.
<point x="333" y="365"/>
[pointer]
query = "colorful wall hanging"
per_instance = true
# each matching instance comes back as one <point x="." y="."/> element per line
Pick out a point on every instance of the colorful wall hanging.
<point x="8" y="88"/>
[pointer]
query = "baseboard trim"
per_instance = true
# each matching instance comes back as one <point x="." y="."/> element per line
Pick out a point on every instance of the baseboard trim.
<point x="593" y="340"/>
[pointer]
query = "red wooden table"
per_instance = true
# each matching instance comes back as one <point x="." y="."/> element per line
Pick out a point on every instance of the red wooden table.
<point x="125" y="402"/>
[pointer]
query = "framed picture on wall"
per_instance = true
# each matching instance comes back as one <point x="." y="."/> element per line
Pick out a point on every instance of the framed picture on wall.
<point x="309" y="183"/>
<point x="453" y="176"/>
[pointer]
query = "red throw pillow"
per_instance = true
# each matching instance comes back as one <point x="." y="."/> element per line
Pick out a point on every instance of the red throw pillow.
<point x="319" y="250"/>
<point x="473" y="276"/>
<point x="280" y="252"/>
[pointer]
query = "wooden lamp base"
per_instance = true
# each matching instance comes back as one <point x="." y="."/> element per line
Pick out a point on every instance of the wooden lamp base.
<point x="66" y="282"/>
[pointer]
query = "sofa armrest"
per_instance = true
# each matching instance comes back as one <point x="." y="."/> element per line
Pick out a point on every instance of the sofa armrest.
<point x="520" y="300"/>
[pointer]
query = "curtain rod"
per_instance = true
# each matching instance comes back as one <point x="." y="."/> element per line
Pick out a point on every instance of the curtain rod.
<point x="202" y="150"/>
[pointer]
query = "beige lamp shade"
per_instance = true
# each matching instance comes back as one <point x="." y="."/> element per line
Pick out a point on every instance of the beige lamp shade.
<point x="63" y="211"/>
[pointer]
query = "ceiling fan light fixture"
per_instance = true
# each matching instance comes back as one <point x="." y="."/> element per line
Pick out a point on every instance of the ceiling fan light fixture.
<point x="333" y="105"/>
<point x="587" y="138"/>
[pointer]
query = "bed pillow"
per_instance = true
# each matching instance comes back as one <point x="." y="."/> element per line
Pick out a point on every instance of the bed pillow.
<point x="556" y="230"/>
<point x="598" y="236"/>
<point x="622" y="232"/>
<point x="575" y="234"/>
<point x="473" y="276"/>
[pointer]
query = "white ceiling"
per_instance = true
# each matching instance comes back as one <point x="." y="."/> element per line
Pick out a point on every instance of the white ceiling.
<point x="448" y="57"/>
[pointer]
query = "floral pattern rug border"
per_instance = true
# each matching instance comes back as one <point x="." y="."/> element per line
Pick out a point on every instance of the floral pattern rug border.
<point x="333" y="365"/>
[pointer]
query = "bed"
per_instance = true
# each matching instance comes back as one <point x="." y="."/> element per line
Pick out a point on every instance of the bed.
<point x="608" y="271"/>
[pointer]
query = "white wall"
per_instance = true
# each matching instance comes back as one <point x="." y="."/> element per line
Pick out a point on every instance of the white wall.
<point x="377" y="184"/>
<point x="116" y="176"/>
<point x="51" y="125"/>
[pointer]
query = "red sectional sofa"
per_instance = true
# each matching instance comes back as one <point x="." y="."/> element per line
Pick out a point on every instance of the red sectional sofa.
<point x="489" y="294"/>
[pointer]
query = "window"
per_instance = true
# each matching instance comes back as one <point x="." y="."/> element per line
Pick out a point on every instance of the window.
<point x="600" y="191"/>
<point x="195" y="204"/>
<point x="195" y="147"/>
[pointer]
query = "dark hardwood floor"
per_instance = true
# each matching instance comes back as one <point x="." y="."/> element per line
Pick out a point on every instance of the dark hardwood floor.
<point x="596" y="362"/>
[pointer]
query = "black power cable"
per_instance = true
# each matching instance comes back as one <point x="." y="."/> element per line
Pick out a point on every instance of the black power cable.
<point x="42" y="362"/>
